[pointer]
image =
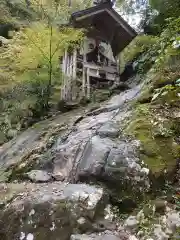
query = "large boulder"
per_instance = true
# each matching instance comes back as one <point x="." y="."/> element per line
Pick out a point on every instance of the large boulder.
<point x="30" y="148"/>
<point x="91" y="157"/>
<point x="53" y="211"/>
<point x="91" y="148"/>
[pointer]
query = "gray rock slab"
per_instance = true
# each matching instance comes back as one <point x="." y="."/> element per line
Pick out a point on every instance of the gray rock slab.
<point x="109" y="129"/>
<point x="13" y="151"/>
<point x="94" y="122"/>
<point x="94" y="157"/>
<point x="39" y="176"/>
<point x="51" y="211"/>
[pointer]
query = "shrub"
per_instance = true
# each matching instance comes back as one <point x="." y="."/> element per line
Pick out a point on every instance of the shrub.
<point x="169" y="45"/>
<point x="24" y="76"/>
<point x="139" y="45"/>
<point x="139" y="49"/>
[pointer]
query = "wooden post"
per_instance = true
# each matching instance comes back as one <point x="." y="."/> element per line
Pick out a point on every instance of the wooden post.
<point x="65" y="62"/>
<point x="117" y="79"/>
<point x="118" y="67"/>
<point x="88" y="84"/>
<point x="64" y="96"/>
<point x="70" y="76"/>
<point x="67" y="77"/>
<point x="71" y="66"/>
<point x="63" y="76"/>
<point x="67" y="70"/>
<point x="84" y="77"/>
<point x="74" y="62"/>
<point x="62" y="79"/>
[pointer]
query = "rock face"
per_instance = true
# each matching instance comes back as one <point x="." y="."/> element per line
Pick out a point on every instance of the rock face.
<point x="53" y="211"/>
<point x="65" y="158"/>
<point x="94" y="149"/>
<point x="108" y="130"/>
<point x="39" y="176"/>
<point x="91" y="149"/>
<point x="65" y="152"/>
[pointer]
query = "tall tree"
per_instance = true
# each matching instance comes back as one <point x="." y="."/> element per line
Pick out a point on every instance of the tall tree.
<point x="166" y="9"/>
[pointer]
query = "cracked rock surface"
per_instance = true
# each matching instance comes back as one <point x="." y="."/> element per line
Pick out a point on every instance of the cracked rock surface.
<point x="59" y="177"/>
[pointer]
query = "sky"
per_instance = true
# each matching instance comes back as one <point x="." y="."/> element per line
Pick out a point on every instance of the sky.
<point x="132" y="19"/>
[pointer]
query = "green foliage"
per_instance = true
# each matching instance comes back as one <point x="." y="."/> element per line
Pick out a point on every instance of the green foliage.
<point x="166" y="9"/>
<point x="29" y="65"/>
<point x="140" y="49"/>
<point x="169" y="38"/>
<point x="139" y="45"/>
<point x="162" y="52"/>
<point x="45" y="47"/>
<point x="166" y="67"/>
<point x="36" y="47"/>
<point x="156" y="123"/>
<point x="16" y="11"/>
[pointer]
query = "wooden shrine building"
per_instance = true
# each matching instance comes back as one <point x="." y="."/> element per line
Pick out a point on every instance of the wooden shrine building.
<point x="107" y="35"/>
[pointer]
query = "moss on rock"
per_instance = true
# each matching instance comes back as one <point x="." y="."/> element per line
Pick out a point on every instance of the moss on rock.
<point x="168" y="95"/>
<point x="159" y="149"/>
<point x="146" y="96"/>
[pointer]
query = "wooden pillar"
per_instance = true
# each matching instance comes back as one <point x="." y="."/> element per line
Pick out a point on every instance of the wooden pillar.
<point x="88" y="84"/>
<point x="70" y="76"/>
<point x="62" y="79"/>
<point x="67" y="77"/>
<point x="64" y="95"/>
<point x="74" y="64"/>
<point x="63" y="88"/>
<point x="84" y="77"/>
<point x="67" y="70"/>
<point x="65" y="62"/>
<point x="118" y="69"/>
<point x="71" y="65"/>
